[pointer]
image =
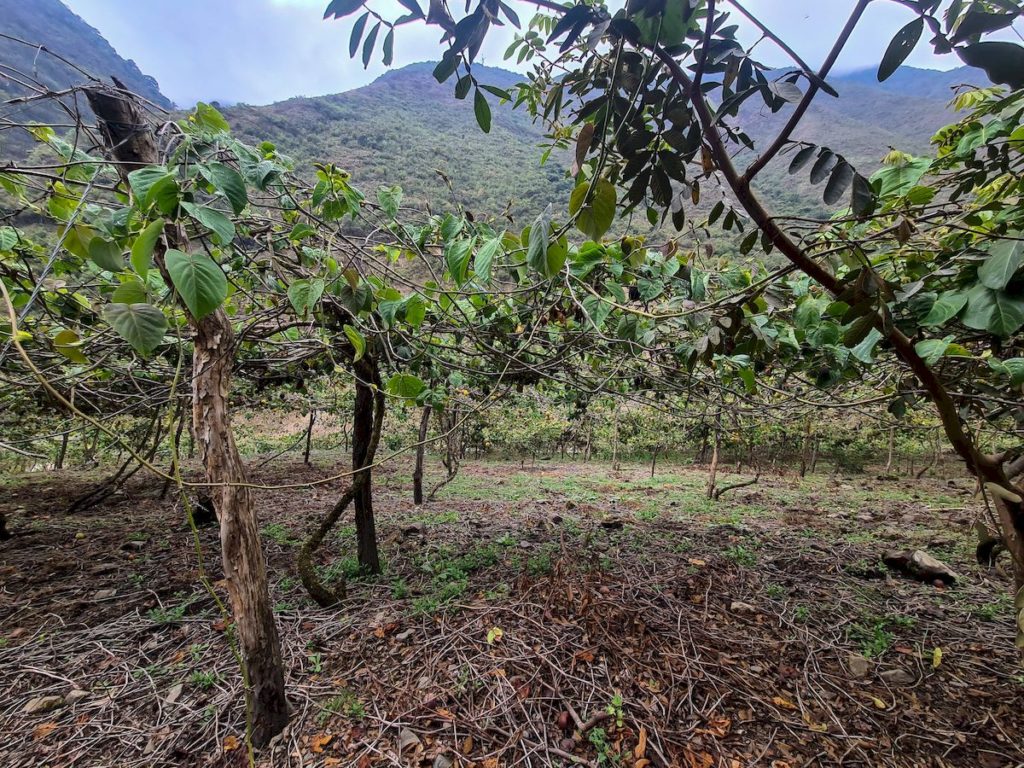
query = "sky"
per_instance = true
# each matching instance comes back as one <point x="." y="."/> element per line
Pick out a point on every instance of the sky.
<point x="261" y="51"/>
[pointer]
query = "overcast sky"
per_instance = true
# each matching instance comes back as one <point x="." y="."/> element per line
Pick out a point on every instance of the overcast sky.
<point x="260" y="51"/>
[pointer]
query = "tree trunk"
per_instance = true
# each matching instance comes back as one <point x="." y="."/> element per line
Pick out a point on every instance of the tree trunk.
<point x="244" y="569"/>
<point x="309" y="436"/>
<point x="654" y="460"/>
<point x="892" y="448"/>
<point x="365" y="414"/>
<point x="805" y="454"/>
<point x="713" y="470"/>
<point x="421" y="449"/>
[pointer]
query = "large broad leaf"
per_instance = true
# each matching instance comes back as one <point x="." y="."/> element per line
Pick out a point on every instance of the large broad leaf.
<point x="866" y="348"/>
<point x="1003" y="62"/>
<point x="106" y="254"/>
<point x="8" y="238"/>
<point x="594" y="217"/>
<point x="993" y="311"/>
<point x="228" y="182"/>
<point x="305" y="294"/>
<point x="484" y="261"/>
<point x="1005" y="258"/>
<point x="457" y="255"/>
<point x="945" y="308"/>
<point x="838" y="182"/>
<point x="142" y="248"/>
<point x="208" y="117"/>
<point x="895" y="180"/>
<point x="198" y="280"/>
<point x="538" y="241"/>
<point x="67" y="343"/>
<point x="390" y="198"/>
<point x="900" y="47"/>
<point x="141" y="325"/>
<point x="213" y="220"/>
<point x="358" y="342"/>
<point x="131" y="292"/>
<point x="405" y="385"/>
<point x="933" y="349"/>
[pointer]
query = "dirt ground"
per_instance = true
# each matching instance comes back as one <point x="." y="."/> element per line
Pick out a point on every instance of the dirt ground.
<point x="540" y="616"/>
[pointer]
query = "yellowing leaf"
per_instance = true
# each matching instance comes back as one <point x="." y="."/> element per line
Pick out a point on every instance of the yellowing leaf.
<point x="231" y="744"/>
<point x="494" y="634"/>
<point x="936" y="658"/>
<point x="320" y="741"/>
<point x="779" y="701"/>
<point x="641" y="746"/>
<point x="42" y="731"/>
<point x="878" y="702"/>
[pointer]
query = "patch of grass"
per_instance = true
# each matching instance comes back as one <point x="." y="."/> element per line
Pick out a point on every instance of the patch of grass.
<point x="399" y="589"/>
<point x="196" y="651"/>
<point x="170" y="615"/>
<point x="801" y="614"/>
<point x="874" y="639"/>
<point x="344" y="703"/>
<point x="438" y="518"/>
<point x="994" y="610"/>
<point x="775" y="591"/>
<point x="279" y="535"/>
<point x="741" y="555"/>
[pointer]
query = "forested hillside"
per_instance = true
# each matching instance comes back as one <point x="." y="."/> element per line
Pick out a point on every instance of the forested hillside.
<point x="405" y="127"/>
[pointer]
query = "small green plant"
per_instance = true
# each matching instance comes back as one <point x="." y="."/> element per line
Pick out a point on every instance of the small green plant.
<point x="316" y="662"/>
<point x="399" y="589"/>
<point x="775" y="591"/>
<point x="801" y="613"/>
<point x="196" y="651"/>
<point x="165" y="615"/>
<point x="279" y="534"/>
<point x="539" y="564"/>
<point x="283" y="607"/>
<point x="615" y="709"/>
<point x="204" y="680"/>
<point x="874" y="638"/>
<point x="741" y="555"/>
<point x="598" y="738"/>
<point x="344" y="703"/>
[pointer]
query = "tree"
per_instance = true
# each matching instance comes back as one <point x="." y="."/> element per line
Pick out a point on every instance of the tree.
<point x="653" y="92"/>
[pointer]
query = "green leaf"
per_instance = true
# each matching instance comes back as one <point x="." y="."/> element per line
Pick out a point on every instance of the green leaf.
<point x="932" y="349"/>
<point x="358" y="342"/>
<point x="945" y="308"/>
<point x="484" y="261"/>
<point x="405" y="385"/>
<point x="482" y="110"/>
<point x="131" y="292"/>
<point x="993" y="311"/>
<point x="415" y="311"/>
<point x="899" y="48"/>
<point x="228" y="182"/>
<point x="388" y="48"/>
<point x="357" y="34"/>
<point x="802" y="158"/>
<point x="141" y="325"/>
<point x="67" y="344"/>
<point x="106" y="254"/>
<point x="142" y="248"/>
<point x="208" y="117"/>
<point x="213" y="220"/>
<point x="457" y="255"/>
<point x="8" y="238"/>
<point x="199" y="281"/>
<point x="390" y="198"/>
<point x="368" y="44"/>
<point x="540" y="237"/>
<point x="862" y="199"/>
<point x="1005" y="258"/>
<point x="305" y="294"/>
<point x="143" y="180"/>
<point x="838" y="182"/>
<point x="864" y="350"/>
<point x="594" y="217"/>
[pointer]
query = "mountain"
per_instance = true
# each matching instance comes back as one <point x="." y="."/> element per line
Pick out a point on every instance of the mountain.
<point x="405" y="126"/>
<point x="27" y="24"/>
